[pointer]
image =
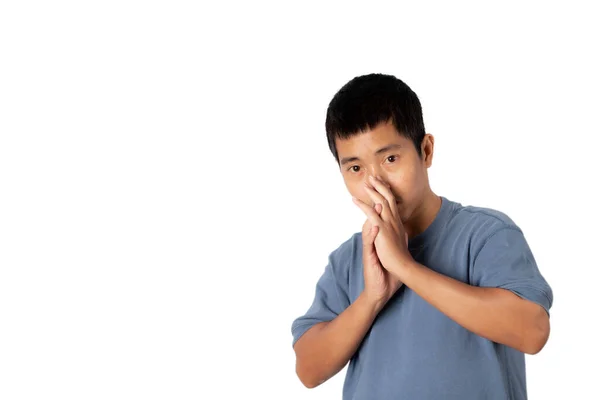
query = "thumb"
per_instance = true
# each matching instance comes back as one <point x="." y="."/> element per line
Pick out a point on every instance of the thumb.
<point x="373" y="234"/>
<point x="369" y="238"/>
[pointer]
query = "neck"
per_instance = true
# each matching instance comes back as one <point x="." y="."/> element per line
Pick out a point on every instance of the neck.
<point x="423" y="215"/>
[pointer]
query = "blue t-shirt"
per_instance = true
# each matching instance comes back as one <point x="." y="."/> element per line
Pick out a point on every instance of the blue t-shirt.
<point x="412" y="350"/>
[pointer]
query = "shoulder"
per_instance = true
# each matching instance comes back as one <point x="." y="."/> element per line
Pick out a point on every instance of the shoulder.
<point x="480" y="225"/>
<point x="344" y="257"/>
<point x="347" y="250"/>
<point x="481" y="220"/>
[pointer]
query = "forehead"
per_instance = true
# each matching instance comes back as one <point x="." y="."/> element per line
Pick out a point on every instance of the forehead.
<point x="370" y="141"/>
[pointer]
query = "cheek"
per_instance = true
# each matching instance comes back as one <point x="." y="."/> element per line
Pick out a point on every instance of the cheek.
<point x="405" y="184"/>
<point x="356" y="189"/>
<point x="400" y="181"/>
<point x="352" y="186"/>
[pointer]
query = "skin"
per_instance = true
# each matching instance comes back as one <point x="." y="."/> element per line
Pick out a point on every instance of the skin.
<point x="400" y="168"/>
<point x="392" y="188"/>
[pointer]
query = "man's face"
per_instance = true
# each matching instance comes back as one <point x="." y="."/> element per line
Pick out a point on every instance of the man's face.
<point x="384" y="153"/>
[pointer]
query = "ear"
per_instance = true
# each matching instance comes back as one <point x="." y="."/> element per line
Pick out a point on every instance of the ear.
<point x="427" y="149"/>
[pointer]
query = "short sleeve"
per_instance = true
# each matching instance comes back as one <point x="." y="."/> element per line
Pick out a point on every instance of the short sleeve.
<point x="329" y="301"/>
<point x="505" y="261"/>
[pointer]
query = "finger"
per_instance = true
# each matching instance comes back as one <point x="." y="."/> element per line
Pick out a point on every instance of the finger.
<point x="369" y="212"/>
<point x="366" y="228"/>
<point x="367" y="225"/>
<point x="374" y="231"/>
<point x="369" y="244"/>
<point x="378" y="207"/>
<point x="368" y="236"/>
<point x="377" y="198"/>
<point x="385" y="190"/>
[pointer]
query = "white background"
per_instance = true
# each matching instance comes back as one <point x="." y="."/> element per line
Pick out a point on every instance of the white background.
<point x="168" y="200"/>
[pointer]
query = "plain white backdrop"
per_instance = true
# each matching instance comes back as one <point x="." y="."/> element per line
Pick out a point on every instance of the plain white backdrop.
<point x="168" y="200"/>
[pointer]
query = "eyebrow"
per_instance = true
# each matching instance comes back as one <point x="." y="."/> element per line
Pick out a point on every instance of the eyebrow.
<point x="384" y="149"/>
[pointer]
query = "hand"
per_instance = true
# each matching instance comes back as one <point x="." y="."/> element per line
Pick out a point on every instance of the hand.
<point x="391" y="242"/>
<point x="380" y="284"/>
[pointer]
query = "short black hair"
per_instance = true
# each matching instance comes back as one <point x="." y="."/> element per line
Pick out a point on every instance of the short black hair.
<point x="368" y="100"/>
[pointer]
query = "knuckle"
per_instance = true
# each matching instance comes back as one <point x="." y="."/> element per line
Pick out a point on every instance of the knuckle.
<point x="365" y="231"/>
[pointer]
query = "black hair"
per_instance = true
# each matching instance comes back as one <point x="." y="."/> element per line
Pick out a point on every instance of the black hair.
<point x="368" y="100"/>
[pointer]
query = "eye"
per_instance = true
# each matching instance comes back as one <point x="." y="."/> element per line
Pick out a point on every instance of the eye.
<point x="392" y="158"/>
<point x="354" y="168"/>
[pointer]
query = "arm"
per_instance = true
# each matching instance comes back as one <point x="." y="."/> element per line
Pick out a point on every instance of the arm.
<point x="488" y="309"/>
<point x="326" y="347"/>
<point x="496" y="314"/>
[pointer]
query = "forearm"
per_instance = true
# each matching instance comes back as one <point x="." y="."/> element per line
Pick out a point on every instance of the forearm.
<point x="325" y="348"/>
<point x="495" y="314"/>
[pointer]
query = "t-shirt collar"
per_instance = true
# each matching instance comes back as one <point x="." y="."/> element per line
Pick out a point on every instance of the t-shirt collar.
<point x="434" y="228"/>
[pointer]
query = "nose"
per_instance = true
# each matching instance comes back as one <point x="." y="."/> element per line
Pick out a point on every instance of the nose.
<point x="384" y="180"/>
<point x="375" y="170"/>
<point x="381" y="178"/>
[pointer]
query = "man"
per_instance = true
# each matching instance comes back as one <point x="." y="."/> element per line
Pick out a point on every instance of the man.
<point x="433" y="299"/>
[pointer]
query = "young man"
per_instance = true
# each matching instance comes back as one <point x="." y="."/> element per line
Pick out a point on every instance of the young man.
<point x="433" y="299"/>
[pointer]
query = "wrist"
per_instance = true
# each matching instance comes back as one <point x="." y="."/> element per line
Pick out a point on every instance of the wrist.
<point x="372" y="303"/>
<point x="405" y="270"/>
<point x="402" y="268"/>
